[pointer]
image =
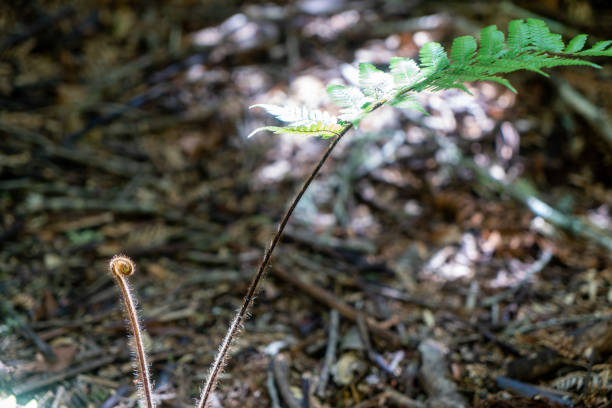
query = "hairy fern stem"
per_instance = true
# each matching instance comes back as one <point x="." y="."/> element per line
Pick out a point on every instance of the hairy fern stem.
<point x="121" y="267"/>
<point x="222" y="354"/>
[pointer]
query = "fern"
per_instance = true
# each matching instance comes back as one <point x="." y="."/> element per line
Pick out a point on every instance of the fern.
<point x="530" y="46"/>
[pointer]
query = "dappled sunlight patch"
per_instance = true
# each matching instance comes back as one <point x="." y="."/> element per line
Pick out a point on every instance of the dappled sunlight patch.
<point x="451" y="262"/>
<point x="275" y="171"/>
<point x="11" y="402"/>
<point x="331" y="27"/>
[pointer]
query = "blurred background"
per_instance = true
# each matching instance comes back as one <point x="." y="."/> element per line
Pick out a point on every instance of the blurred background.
<point x="472" y="243"/>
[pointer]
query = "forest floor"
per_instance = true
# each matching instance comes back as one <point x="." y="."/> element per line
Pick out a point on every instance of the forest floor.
<point x="417" y="270"/>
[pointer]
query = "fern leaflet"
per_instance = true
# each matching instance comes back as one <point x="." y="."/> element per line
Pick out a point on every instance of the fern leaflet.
<point x="352" y="101"/>
<point x="374" y="82"/>
<point x="315" y="129"/>
<point x="302" y="121"/>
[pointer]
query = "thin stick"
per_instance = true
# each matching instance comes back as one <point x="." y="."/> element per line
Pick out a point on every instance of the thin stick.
<point x="330" y="300"/>
<point x="281" y="375"/>
<point x="46" y="380"/>
<point x="121" y="267"/>
<point x="220" y="359"/>
<point x="330" y="352"/>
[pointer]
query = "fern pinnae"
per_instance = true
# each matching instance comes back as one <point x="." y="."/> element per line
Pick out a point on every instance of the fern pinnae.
<point x="352" y="101"/>
<point x="374" y="82"/>
<point x="433" y="58"/>
<point x="463" y="49"/>
<point x="600" y="49"/>
<point x="575" y="44"/>
<point x="518" y="37"/>
<point x="492" y="44"/>
<point x="542" y="38"/>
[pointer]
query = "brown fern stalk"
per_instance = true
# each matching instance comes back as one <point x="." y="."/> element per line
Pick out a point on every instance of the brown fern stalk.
<point x="222" y="354"/>
<point x="121" y="267"/>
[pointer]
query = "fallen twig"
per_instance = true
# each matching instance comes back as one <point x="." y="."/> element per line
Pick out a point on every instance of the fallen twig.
<point x="12" y="318"/>
<point x="272" y="391"/>
<point x="118" y="166"/>
<point x="281" y="375"/>
<point x="44" y="381"/>
<point x="401" y="400"/>
<point x="557" y="321"/>
<point x="529" y="390"/>
<point x="332" y="301"/>
<point x="306" y="391"/>
<point x="330" y="351"/>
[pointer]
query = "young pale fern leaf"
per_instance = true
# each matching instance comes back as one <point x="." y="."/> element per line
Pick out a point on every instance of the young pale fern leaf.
<point x="433" y="59"/>
<point x="405" y="72"/>
<point x="297" y="116"/>
<point x="530" y="46"/>
<point x="302" y="121"/>
<point x="374" y="82"/>
<point x="352" y="101"/>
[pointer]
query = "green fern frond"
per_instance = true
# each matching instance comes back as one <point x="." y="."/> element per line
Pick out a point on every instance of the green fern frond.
<point x="530" y="46"/>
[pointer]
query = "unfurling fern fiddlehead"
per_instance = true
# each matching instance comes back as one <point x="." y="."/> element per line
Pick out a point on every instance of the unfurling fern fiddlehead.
<point x="121" y="267"/>
<point x="530" y="46"/>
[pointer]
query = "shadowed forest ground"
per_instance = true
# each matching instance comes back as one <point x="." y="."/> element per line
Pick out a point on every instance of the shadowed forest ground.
<point x="419" y="270"/>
